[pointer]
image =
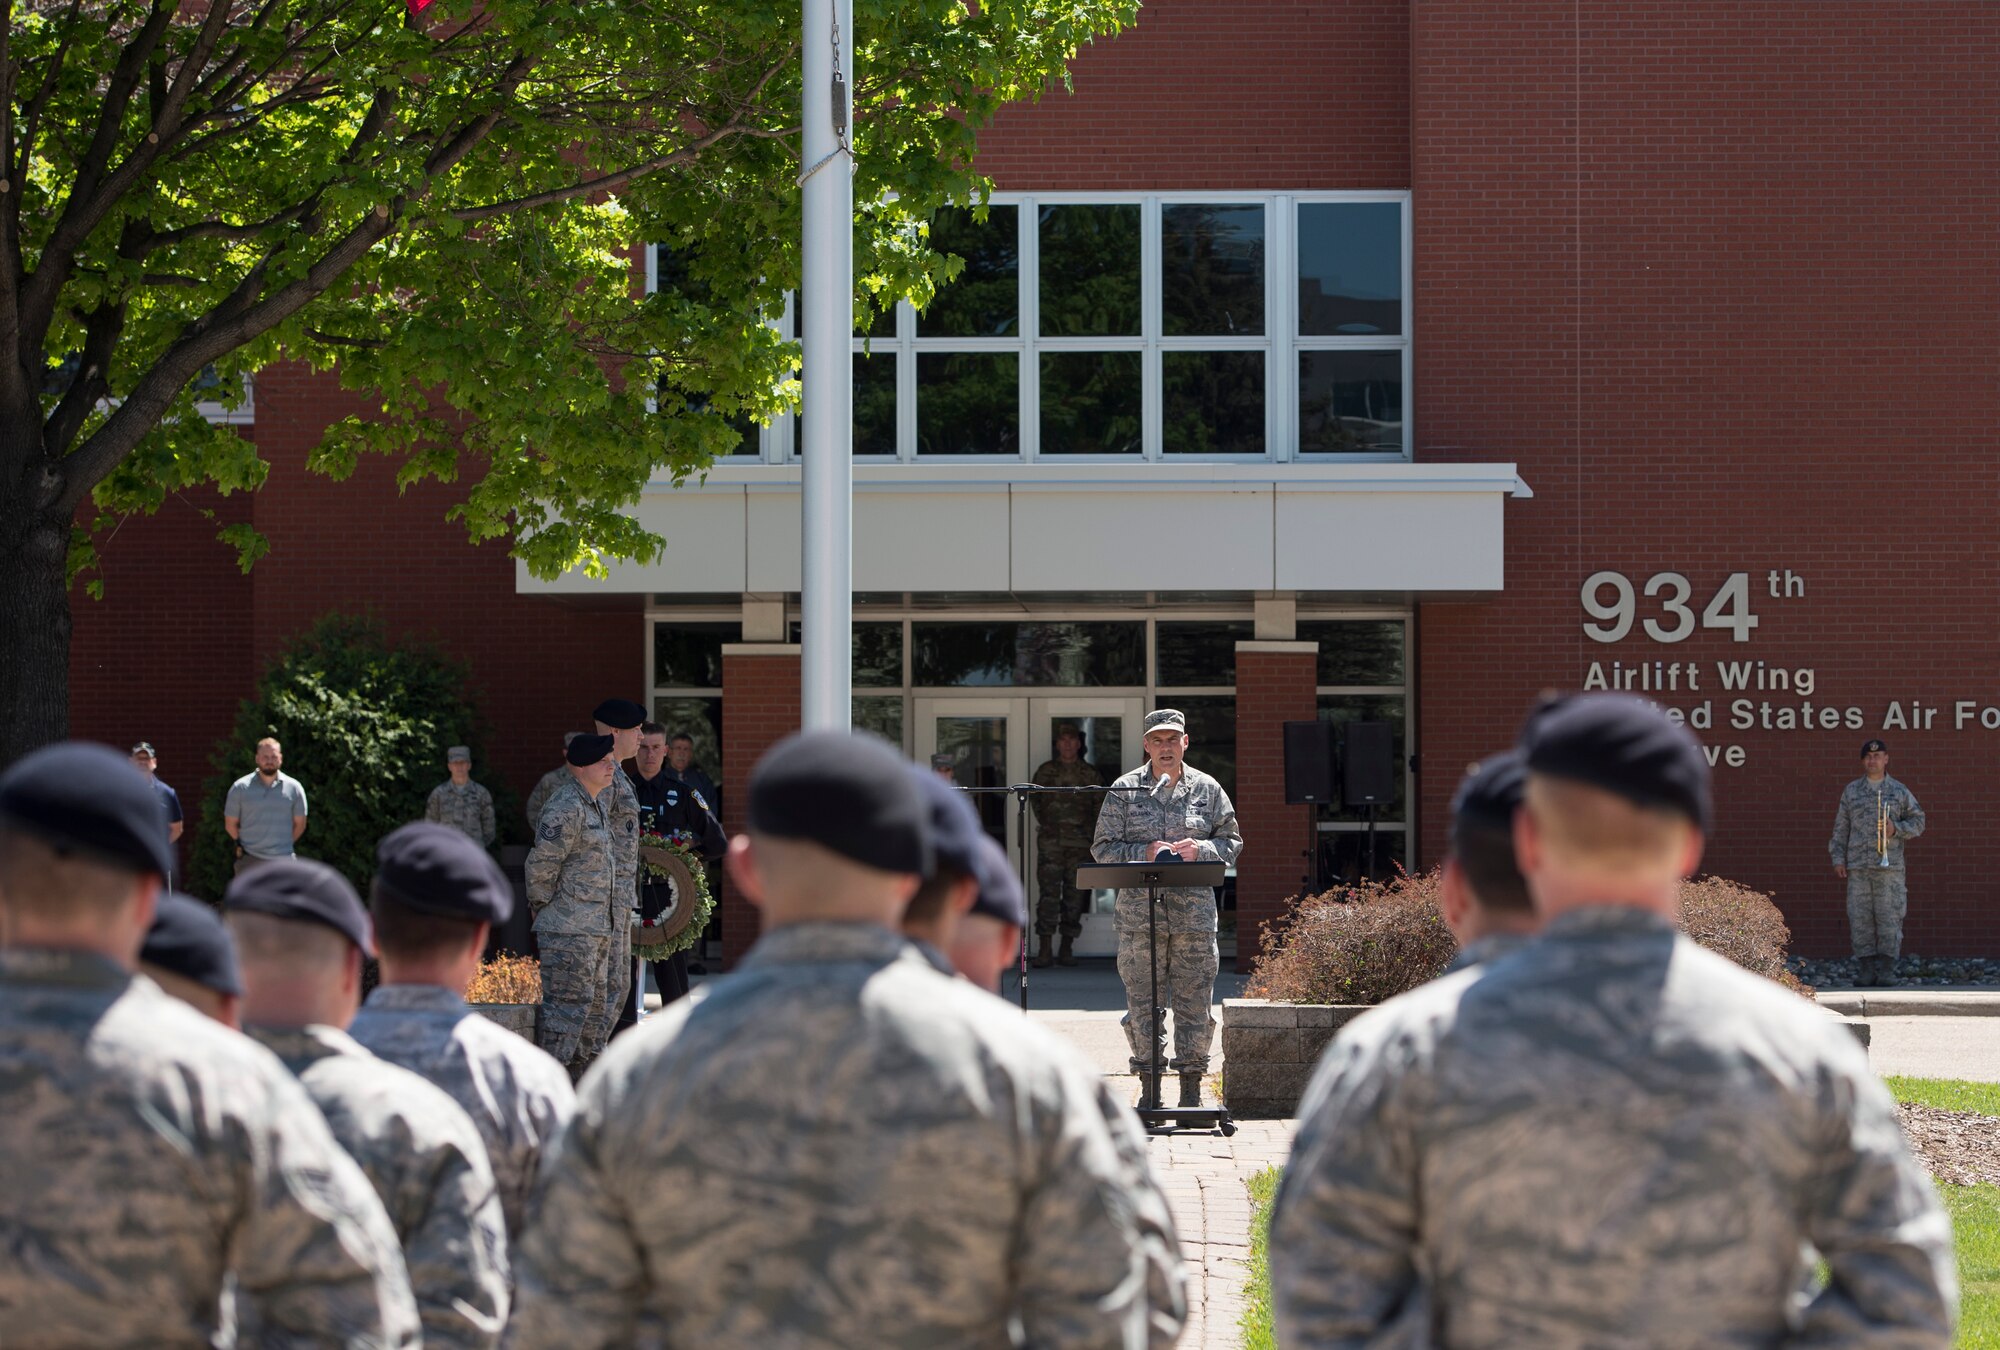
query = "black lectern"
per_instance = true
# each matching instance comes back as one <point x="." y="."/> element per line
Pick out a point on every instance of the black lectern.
<point x="1172" y="874"/>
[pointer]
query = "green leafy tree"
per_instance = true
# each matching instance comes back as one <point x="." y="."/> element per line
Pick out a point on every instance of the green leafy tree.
<point x="444" y="207"/>
<point x="364" y="724"/>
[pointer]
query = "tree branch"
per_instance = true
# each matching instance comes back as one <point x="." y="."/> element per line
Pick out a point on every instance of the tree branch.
<point x="608" y="181"/>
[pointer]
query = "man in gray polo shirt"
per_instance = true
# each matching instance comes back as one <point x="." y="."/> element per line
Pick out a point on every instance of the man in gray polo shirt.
<point x="265" y="811"/>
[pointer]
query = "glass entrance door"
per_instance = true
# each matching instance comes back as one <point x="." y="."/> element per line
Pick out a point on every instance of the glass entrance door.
<point x="985" y="740"/>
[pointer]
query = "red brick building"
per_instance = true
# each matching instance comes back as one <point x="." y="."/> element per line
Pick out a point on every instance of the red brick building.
<point x="1383" y="361"/>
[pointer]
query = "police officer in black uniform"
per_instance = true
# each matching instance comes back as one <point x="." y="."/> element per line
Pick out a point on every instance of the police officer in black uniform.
<point x="667" y="804"/>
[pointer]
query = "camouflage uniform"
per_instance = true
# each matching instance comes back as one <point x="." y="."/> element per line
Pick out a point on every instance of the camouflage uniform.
<point x="1196" y="808"/>
<point x="538" y="797"/>
<point x="424" y="1156"/>
<point x="1610" y="1137"/>
<point x="1484" y="951"/>
<point x="468" y="808"/>
<point x="1877" y="899"/>
<point x="623" y="816"/>
<point x="518" y="1097"/>
<point x="839" y="1146"/>
<point x="573" y="877"/>
<point x="151" y="1160"/>
<point x="1063" y="823"/>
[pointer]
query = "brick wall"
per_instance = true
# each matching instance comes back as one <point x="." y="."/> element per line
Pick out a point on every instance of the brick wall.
<point x="760" y="707"/>
<point x="1720" y="278"/>
<point x="1272" y="688"/>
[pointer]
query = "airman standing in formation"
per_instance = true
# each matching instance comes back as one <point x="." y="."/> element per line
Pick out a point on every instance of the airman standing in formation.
<point x="302" y="934"/>
<point x="1876" y="816"/>
<point x="435" y="898"/>
<point x="620" y="719"/>
<point x="1481" y="892"/>
<point x="1064" y="824"/>
<point x="1608" y="1136"/>
<point x="162" y="1179"/>
<point x="573" y="877"/>
<point x="538" y="795"/>
<point x="462" y="803"/>
<point x="838" y="1144"/>
<point x="1179" y="810"/>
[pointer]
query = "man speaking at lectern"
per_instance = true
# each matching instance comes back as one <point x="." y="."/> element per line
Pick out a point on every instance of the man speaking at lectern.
<point x="1184" y="812"/>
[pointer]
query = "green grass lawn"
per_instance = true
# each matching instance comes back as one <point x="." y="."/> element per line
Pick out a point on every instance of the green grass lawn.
<point x="1256" y="1322"/>
<point x="1975" y="1221"/>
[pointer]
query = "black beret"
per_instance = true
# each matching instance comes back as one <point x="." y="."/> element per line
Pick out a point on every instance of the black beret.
<point x="1488" y="795"/>
<point x="1868" y="747"/>
<point x="848" y="792"/>
<point x="435" y="869"/>
<point x="88" y="799"/>
<point x="189" y="940"/>
<point x="955" y="828"/>
<point x="304" y="890"/>
<point x="1000" y="895"/>
<point x="586" y="750"/>
<point x="1624" y="745"/>
<point x="622" y="714"/>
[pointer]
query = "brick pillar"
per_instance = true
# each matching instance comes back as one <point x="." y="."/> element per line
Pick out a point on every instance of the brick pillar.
<point x="1275" y="684"/>
<point x="760" y="706"/>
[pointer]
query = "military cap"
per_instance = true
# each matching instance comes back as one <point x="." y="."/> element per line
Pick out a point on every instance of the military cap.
<point x="587" y="750"/>
<point x="1000" y="896"/>
<point x="1869" y="747"/>
<point x="1488" y="795"/>
<point x="144" y="748"/>
<point x="955" y="828"/>
<point x="435" y="869"/>
<point x="849" y="793"/>
<point x="942" y="762"/>
<point x="463" y="752"/>
<point x="303" y="890"/>
<point x="189" y="940"/>
<point x="620" y="714"/>
<point x="86" y="799"/>
<point x="1625" y="746"/>
<point x="1165" y="719"/>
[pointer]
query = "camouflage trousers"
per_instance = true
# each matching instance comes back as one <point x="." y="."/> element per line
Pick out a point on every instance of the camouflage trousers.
<point x="1059" y="903"/>
<point x="1876" y="904"/>
<point x="584" y="980"/>
<point x="1187" y="966"/>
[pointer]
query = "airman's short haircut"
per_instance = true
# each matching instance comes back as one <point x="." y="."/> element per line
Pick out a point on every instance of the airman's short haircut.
<point x="1593" y="830"/>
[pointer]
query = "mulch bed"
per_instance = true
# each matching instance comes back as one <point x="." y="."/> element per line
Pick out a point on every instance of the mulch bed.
<point x="1960" y="1147"/>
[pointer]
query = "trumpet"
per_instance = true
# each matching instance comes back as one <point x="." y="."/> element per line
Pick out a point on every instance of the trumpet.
<point x="1882" y="830"/>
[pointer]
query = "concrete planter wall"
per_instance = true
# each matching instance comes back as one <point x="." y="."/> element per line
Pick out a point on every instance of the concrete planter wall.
<point x="518" y="1018"/>
<point x="1269" y="1051"/>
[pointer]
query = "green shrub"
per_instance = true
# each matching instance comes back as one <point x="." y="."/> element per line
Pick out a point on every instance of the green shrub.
<point x="1372" y="941"/>
<point x="364" y="725"/>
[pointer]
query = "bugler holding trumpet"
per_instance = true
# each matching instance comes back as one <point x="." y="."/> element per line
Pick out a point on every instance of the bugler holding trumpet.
<point x="1877" y="814"/>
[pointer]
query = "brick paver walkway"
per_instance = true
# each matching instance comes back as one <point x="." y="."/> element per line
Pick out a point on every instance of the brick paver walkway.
<point x="1205" y="1178"/>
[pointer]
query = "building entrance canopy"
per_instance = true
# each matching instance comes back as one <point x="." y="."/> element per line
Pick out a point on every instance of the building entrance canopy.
<point x="1414" y="529"/>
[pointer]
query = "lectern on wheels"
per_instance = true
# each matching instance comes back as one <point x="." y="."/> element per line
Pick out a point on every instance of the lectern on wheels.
<point x="1173" y="874"/>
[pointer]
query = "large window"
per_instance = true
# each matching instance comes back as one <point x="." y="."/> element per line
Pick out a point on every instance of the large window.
<point x="1185" y="326"/>
<point x="1363" y="677"/>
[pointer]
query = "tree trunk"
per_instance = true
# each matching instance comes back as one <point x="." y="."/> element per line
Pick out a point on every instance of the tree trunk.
<point x="34" y="630"/>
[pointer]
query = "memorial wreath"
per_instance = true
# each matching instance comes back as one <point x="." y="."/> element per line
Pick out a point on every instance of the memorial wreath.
<point x="668" y="862"/>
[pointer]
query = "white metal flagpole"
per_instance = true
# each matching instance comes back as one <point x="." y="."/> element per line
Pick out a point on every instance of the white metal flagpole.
<point x="826" y="422"/>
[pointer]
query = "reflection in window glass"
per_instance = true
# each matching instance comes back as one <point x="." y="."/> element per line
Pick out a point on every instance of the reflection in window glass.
<point x="977" y="748"/>
<point x="1091" y="403"/>
<point x="1089" y="271"/>
<point x="1344" y="855"/>
<point x="689" y="655"/>
<point x="1029" y="654"/>
<point x="1350" y="401"/>
<point x="968" y="403"/>
<point x="1356" y="651"/>
<point x="875" y="403"/>
<point x="1350" y="269"/>
<point x="1371" y="708"/>
<point x="700" y="718"/>
<point x="1212" y="270"/>
<point x="878" y="655"/>
<point x="883" y="716"/>
<point x="984" y="300"/>
<point x="1211" y="723"/>
<point x="1198" y="653"/>
<point x="1212" y="403"/>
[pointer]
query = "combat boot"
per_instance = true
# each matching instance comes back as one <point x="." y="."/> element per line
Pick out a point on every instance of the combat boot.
<point x="1042" y="956"/>
<point x="1190" y="1089"/>
<point x="1885" y="972"/>
<point x="1149" y="1091"/>
<point x="1065" y="957"/>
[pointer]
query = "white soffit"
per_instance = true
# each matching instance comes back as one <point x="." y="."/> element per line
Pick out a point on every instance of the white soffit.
<point x="1218" y="539"/>
<point x="1417" y="541"/>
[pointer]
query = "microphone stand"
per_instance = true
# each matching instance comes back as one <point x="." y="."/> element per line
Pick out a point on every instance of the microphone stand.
<point x="1021" y="793"/>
